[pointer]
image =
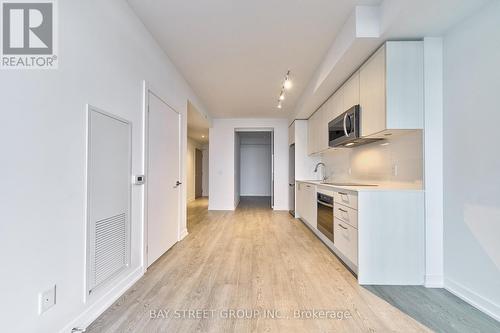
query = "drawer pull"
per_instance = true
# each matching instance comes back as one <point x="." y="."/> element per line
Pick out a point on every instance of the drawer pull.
<point x="342" y="193"/>
<point x="340" y="225"/>
<point x="343" y="210"/>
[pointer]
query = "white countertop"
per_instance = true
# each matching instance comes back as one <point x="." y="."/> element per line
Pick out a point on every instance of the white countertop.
<point x="381" y="186"/>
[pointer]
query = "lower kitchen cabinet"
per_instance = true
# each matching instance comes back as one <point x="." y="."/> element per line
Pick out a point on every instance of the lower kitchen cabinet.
<point x="306" y="203"/>
<point x="346" y="240"/>
<point x="377" y="232"/>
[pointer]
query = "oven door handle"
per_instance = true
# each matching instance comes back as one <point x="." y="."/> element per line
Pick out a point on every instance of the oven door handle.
<point x="324" y="204"/>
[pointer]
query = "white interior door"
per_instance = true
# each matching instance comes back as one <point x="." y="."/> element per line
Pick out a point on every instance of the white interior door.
<point x="163" y="190"/>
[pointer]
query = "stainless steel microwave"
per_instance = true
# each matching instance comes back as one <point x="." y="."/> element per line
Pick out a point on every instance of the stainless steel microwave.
<point x="344" y="130"/>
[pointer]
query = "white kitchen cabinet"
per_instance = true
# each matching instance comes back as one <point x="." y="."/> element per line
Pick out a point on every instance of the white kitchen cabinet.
<point x="322" y="128"/>
<point x="299" y="199"/>
<point x="346" y="198"/>
<point x="306" y="203"/>
<point x="334" y="107"/>
<point x="378" y="233"/>
<point x="391" y="88"/>
<point x="346" y="214"/>
<point x="311" y="134"/>
<point x="310" y="205"/>
<point x="346" y="240"/>
<point x="350" y="92"/>
<point x="317" y="132"/>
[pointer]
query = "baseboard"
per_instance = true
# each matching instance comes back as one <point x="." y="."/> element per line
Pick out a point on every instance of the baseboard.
<point x="92" y="312"/>
<point x="478" y="301"/>
<point x="183" y="234"/>
<point x="281" y="208"/>
<point x="434" y="281"/>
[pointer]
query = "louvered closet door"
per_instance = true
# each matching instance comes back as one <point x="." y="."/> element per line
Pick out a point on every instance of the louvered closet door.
<point x="109" y="172"/>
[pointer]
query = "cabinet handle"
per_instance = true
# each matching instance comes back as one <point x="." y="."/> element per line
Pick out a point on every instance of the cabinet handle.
<point x="343" y="210"/>
<point x="342" y="193"/>
<point x="340" y="225"/>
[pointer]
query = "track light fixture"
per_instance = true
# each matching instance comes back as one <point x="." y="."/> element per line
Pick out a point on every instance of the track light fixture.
<point x="287" y="84"/>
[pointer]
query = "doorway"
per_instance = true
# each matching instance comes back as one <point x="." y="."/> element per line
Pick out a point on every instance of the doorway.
<point x="163" y="190"/>
<point x="198" y="174"/>
<point x="197" y="165"/>
<point x="254" y="164"/>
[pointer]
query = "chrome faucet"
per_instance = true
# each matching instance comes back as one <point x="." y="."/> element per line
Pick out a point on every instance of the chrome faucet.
<point x="324" y="170"/>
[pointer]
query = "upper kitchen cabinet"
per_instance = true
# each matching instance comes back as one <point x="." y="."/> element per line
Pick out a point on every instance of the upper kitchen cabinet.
<point x="334" y="106"/>
<point x="317" y="132"/>
<point x="350" y="91"/>
<point x="391" y="89"/>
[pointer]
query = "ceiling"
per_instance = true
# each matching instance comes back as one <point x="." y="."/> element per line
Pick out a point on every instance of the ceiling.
<point x="197" y="125"/>
<point x="234" y="54"/>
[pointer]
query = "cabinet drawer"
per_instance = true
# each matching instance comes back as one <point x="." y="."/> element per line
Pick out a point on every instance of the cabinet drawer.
<point x="346" y="240"/>
<point x="346" y="214"/>
<point x="346" y="199"/>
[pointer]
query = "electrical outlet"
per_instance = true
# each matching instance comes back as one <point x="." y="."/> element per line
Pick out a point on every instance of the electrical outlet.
<point x="395" y="169"/>
<point x="46" y="299"/>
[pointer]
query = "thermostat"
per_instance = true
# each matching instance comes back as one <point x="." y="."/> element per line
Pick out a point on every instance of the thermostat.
<point x="138" y="179"/>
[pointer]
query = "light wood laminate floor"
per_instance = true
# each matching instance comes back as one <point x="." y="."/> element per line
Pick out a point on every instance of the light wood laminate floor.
<point x="251" y="259"/>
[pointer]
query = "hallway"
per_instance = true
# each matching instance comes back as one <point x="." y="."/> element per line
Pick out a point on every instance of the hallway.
<point x="252" y="259"/>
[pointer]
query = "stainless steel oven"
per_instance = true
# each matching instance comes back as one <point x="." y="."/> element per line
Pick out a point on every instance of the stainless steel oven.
<point x="325" y="214"/>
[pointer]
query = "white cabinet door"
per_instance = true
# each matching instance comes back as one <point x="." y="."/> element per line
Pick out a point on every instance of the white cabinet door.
<point x="346" y="240"/>
<point x="299" y="200"/>
<point x="372" y="94"/>
<point x="311" y="143"/>
<point x="309" y="199"/>
<point x="322" y="129"/>
<point x="314" y="133"/>
<point x="351" y="92"/>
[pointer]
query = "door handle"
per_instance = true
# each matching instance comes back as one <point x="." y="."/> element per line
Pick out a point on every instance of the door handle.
<point x="177" y="183"/>
<point x="345" y="126"/>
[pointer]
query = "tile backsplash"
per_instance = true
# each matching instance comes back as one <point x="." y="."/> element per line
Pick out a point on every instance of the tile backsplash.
<point x="398" y="159"/>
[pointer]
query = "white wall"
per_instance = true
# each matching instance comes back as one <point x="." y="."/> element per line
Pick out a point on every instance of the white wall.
<point x="222" y="166"/>
<point x="433" y="162"/>
<point x="399" y="159"/>
<point x="105" y="53"/>
<point x="472" y="159"/>
<point x="255" y="167"/>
